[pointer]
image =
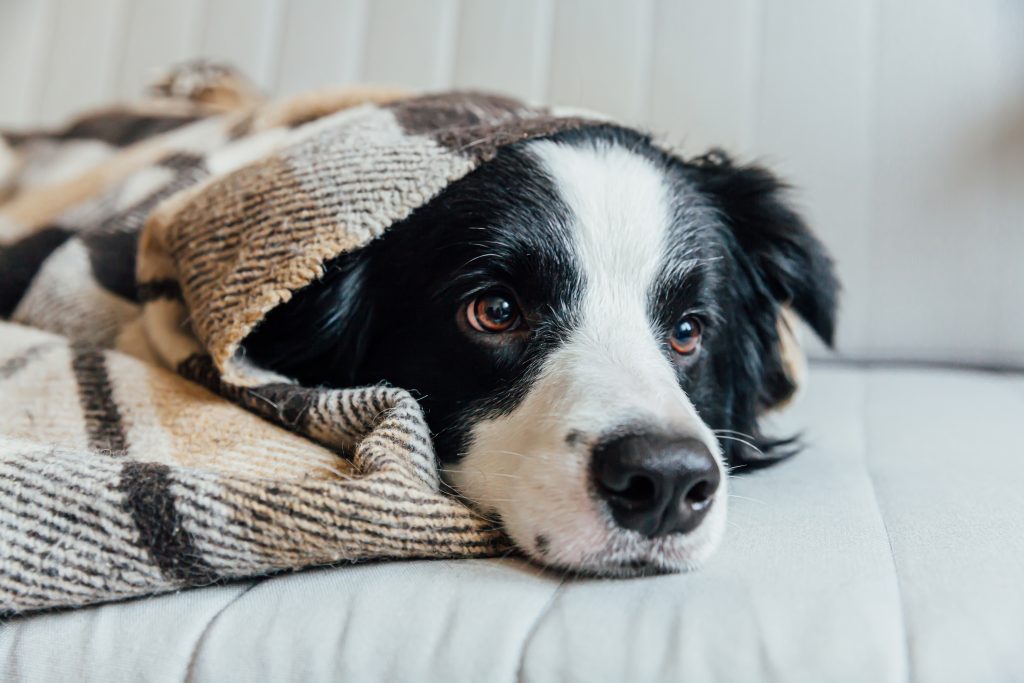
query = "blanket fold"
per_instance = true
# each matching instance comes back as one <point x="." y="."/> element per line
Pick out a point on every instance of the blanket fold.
<point x="146" y="482"/>
<point x="140" y="451"/>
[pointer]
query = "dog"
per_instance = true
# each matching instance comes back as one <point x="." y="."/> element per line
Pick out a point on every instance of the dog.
<point x="593" y="327"/>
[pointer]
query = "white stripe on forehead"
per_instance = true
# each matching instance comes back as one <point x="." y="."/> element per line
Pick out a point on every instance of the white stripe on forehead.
<point x="620" y="216"/>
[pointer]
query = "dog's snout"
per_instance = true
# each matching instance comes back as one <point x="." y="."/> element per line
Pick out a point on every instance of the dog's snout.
<point x="656" y="485"/>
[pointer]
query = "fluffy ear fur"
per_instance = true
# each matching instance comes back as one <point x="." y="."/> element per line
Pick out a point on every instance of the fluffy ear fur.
<point x="782" y="271"/>
<point x="789" y="261"/>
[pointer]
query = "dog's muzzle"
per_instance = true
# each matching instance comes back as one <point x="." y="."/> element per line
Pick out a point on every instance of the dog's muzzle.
<point x="655" y="484"/>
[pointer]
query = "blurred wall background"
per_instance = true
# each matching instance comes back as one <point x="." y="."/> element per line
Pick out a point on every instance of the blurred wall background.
<point x="901" y="122"/>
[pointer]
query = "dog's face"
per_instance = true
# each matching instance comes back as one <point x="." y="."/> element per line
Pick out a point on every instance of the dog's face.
<point x="592" y="327"/>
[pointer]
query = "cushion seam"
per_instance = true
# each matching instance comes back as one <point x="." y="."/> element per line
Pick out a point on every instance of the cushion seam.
<point x="190" y="669"/>
<point x="885" y="529"/>
<point x="532" y="631"/>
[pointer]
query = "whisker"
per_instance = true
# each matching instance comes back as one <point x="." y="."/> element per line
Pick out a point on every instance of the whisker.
<point x="515" y="453"/>
<point x="742" y="441"/>
<point x="736" y="432"/>
<point x="477" y="258"/>
<point x="486" y="474"/>
<point x="733" y="495"/>
<point x="471" y="505"/>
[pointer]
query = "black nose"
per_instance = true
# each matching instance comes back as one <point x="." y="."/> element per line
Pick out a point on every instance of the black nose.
<point x="656" y="485"/>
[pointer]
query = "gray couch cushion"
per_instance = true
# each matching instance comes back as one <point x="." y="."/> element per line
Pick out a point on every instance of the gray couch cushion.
<point x="892" y="548"/>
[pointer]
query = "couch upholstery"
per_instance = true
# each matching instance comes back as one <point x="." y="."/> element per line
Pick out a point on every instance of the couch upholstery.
<point x="890" y="550"/>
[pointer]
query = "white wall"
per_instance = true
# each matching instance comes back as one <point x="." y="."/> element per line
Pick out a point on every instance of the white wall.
<point x="901" y="121"/>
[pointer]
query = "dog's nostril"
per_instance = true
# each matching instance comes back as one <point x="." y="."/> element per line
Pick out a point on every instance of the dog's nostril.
<point x="700" y="494"/>
<point x="656" y="485"/>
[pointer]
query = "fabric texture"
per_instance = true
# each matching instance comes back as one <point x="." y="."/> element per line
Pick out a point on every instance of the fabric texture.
<point x="119" y="476"/>
<point x="862" y="559"/>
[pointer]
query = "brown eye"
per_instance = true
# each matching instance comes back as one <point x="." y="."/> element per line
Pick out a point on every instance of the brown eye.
<point x="685" y="337"/>
<point x="492" y="313"/>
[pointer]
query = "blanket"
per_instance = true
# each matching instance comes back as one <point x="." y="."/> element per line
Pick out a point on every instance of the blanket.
<point x="140" y="451"/>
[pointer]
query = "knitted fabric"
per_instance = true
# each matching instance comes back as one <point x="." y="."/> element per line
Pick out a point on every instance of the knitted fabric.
<point x="139" y="451"/>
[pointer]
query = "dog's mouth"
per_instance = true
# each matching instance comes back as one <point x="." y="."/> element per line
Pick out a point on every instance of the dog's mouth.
<point x="568" y="513"/>
<point x="625" y="553"/>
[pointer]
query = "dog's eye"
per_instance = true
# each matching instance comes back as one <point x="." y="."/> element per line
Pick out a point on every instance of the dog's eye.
<point x="493" y="313"/>
<point x="685" y="337"/>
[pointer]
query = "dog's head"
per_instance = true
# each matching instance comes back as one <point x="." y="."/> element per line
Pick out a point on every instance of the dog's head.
<point x="593" y="327"/>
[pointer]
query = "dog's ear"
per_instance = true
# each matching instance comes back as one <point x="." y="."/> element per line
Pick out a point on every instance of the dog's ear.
<point x="784" y="271"/>
<point x="318" y="336"/>
<point x="788" y="262"/>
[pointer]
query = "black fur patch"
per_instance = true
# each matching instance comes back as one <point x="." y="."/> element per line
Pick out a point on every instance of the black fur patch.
<point x="389" y="312"/>
<point x="770" y="259"/>
<point x="543" y="544"/>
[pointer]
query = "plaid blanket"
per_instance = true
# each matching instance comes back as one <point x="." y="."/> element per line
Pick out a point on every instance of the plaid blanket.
<point x="139" y="450"/>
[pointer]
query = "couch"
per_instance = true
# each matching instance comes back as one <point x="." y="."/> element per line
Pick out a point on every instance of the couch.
<point x="891" y="549"/>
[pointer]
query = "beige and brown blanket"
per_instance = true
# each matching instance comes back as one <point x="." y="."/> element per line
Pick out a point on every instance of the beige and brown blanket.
<point x="139" y="451"/>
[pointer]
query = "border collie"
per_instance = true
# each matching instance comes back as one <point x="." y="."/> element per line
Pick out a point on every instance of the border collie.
<point x="593" y="328"/>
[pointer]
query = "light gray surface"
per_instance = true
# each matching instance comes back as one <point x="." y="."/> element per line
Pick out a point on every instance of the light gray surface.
<point x="892" y="547"/>
<point x="900" y="123"/>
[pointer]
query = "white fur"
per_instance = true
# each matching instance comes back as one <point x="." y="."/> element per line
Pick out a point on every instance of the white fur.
<point x="611" y="373"/>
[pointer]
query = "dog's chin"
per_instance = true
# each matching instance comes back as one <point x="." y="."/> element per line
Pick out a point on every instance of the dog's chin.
<point x="625" y="554"/>
<point x="587" y="542"/>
